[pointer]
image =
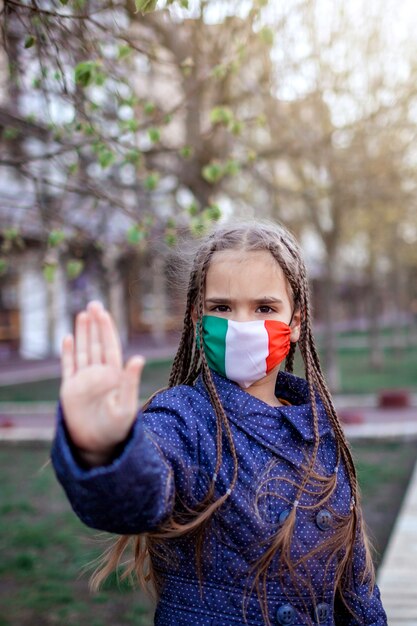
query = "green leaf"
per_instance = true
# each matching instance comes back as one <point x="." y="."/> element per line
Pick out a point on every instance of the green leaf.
<point x="135" y="234"/>
<point x="198" y="226"/>
<point x="100" y="78"/>
<point x="88" y="130"/>
<point x="236" y="127"/>
<point x="130" y="101"/>
<point x="154" y="134"/>
<point x="232" y="167"/>
<point x="10" y="133"/>
<point x="145" y="6"/>
<point x="94" y="106"/>
<point x="106" y="157"/>
<point x="89" y="72"/>
<point x="74" y="268"/>
<point x="56" y="237"/>
<point x="124" y="51"/>
<point x="193" y="209"/>
<point x="187" y="152"/>
<point x="134" y="157"/>
<point x="11" y="233"/>
<point x="29" y="41"/>
<point x="171" y="238"/>
<point x="213" y="172"/>
<point x="221" y="115"/>
<point x="63" y="2"/>
<point x="131" y="125"/>
<point x="251" y="156"/>
<point x="219" y="71"/>
<point x="151" y="181"/>
<point x="184" y="4"/>
<point x="83" y="73"/>
<point x="213" y="212"/>
<point x="149" y="220"/>
<point x="3" y="265"/>
<point x="149" y="108"/>
<point x="267" y="35"/>
<point x="187" y="66"/>
<point x="49" y="272"/>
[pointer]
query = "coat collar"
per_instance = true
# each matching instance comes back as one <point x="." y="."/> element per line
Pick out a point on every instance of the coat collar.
<point x="253" y="414"/>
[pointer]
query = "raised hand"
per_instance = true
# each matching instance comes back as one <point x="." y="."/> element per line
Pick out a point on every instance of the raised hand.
<point x="99" y="396"/>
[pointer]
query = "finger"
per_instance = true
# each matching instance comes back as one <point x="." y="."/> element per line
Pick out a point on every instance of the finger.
<point x="110" y="341"/>
<point x="81" y="340"/>
<point x="67" y="357"/>
<point x="94" y="344"/>
<point x="130" y="383"/>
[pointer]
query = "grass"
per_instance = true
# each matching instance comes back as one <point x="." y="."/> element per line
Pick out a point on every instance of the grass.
<point x="155" y="376"/>
<point x="399" y="371"/>
<point x="384" y="469"/>
<point x="44" y="546"/>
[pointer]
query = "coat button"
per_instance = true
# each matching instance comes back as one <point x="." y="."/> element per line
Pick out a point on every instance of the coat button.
<point x="285" y="614"/>
<point x="322" y="612"/>
<point x="283" y="516"/>
<point x="324" y="519"/>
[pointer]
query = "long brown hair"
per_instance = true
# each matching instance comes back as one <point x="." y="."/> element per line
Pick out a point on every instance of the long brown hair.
<point x="189" y="363"/>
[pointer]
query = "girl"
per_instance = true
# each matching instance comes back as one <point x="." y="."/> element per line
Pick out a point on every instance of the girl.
<point x="235" y="484"/>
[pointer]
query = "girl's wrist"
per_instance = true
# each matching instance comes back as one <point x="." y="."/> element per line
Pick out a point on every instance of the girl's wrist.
<point x="94" y="459"/>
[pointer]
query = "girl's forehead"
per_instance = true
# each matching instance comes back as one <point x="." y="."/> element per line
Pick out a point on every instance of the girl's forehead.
<point x="254" y="269"/>
<point x="257" y="258"/>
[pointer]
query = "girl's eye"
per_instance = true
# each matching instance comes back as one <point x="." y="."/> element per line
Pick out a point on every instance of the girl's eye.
<point x="265" y="309"/>
<point x="221" y="308"/>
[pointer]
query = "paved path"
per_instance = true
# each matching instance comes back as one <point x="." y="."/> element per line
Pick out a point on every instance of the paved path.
<point x="35" y="421"/>
<point x="15" y="370"/>
<point x="397" y="577"/>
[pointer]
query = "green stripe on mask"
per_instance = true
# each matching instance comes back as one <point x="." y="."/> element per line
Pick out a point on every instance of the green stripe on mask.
<point x="214" y="340"/>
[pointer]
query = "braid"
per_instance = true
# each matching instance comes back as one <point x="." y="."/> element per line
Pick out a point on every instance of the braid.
<point x="222" y="421"/>
<point x="313" y="369"/>
<point x="289" y="361"/>
<point x="181" y="363"/>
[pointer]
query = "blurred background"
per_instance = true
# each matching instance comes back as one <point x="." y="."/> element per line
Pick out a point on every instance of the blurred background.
<point x="127" y="129"/>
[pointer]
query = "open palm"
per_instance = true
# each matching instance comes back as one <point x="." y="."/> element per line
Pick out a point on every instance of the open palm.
<point x="99" y="396"/>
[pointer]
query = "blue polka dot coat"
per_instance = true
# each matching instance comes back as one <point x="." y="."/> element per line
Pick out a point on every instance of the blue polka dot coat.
<point x="169" y="459"/>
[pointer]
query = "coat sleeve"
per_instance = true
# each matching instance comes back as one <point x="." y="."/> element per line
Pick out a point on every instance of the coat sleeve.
<point x="364" y="600"/>
<point x="135" y="492"/>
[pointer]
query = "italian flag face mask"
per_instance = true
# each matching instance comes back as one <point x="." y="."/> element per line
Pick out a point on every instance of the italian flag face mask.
<point x="244" y="351"/>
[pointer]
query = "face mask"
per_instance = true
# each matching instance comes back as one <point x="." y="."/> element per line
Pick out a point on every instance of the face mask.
<point x="244" y="351"/>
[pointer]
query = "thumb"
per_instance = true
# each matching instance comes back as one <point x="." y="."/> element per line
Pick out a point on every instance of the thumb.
<point x="130" y="382"/>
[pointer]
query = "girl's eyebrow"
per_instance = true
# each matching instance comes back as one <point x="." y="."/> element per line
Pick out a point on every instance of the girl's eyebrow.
<point x="255" y="301"/>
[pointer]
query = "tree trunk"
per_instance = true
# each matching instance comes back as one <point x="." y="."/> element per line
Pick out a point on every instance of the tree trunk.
<point x="376" y="350"/>
<point x="159" y="301"/>
<point x="330" y="337"/>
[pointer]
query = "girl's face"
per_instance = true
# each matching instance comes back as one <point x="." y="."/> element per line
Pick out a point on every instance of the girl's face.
<point x="246" y="286"/>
